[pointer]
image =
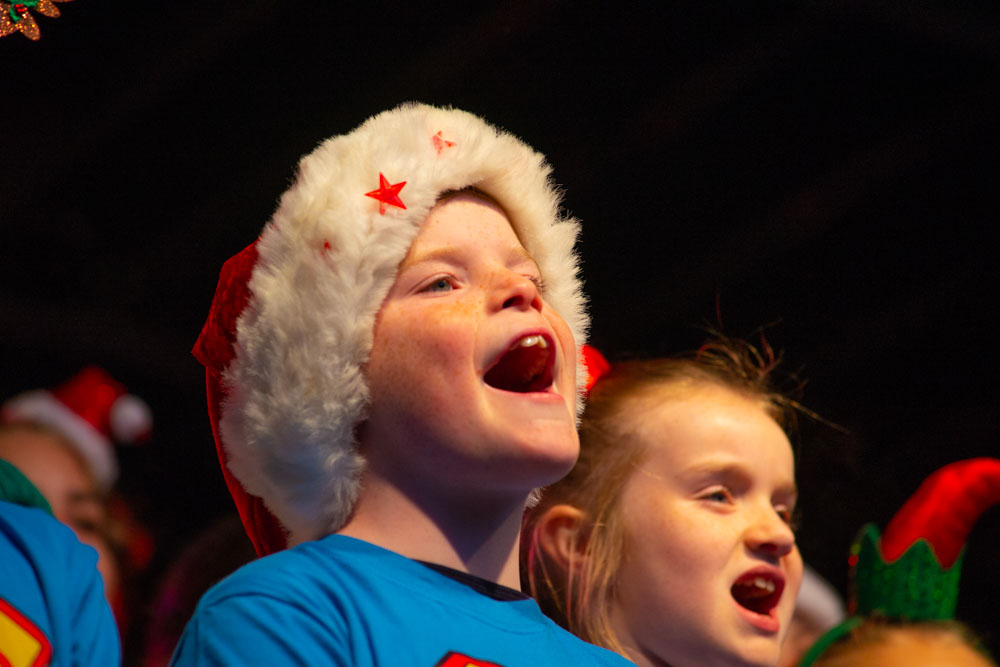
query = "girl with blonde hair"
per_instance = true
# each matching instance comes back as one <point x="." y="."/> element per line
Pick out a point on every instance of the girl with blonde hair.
<point x="671" y="541"/>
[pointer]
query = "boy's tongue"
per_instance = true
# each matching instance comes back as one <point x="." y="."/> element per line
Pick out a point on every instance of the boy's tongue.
<point x="524" y="367"/>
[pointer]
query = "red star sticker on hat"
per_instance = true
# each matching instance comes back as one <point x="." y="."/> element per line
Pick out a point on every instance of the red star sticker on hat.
<point x="387" y="194"/>
<point x="440" y="143"/>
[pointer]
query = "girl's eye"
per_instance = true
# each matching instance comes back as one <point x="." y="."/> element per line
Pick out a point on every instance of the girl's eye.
<point x="539" y="283"/>
<point x="439" y="285"/>
<point x="85" y="525"/>
<point x="789" y="516"/>
<point x="718" y="496"/>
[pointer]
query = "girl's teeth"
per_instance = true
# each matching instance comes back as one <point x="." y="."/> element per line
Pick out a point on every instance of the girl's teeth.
<point x="529" y="341"/>
<point x="766" y="584"/>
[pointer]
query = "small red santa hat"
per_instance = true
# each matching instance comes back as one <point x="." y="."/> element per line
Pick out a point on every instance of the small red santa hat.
<point x="90" y="410"/>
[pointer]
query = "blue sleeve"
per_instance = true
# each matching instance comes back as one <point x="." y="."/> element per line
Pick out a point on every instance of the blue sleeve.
<point x="257" y="629"/>
<point x="51" y="580"/>
<point x="96" y="640"/>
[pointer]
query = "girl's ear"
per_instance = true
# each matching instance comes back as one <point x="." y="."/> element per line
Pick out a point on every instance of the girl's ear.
<point x="562" y="535"/>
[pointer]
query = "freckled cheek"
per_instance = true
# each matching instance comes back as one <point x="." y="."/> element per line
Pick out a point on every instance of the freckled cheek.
<point x="424" y="343"/>
<point x="664" y="569"/>
<point x="665" y="536"/>
<point x="671" y="534"/>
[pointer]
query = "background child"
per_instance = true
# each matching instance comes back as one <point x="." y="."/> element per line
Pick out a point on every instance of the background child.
<point x="905" y="581"/>
<point x="670" y="541"/>
<point x="914" y="644"/>
<point x="63" y="440"/>
<point x="52" y="605"/>
<point x="389" y="378"/>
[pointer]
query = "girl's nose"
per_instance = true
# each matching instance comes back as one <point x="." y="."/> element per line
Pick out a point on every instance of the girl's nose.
<point x="769" y="534"/>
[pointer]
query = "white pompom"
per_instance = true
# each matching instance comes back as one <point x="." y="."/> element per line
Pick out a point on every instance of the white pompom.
<point x="131" y="419"/>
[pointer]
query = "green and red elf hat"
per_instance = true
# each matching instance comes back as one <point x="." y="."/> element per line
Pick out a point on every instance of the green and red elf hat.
<point x="911" y="572"/>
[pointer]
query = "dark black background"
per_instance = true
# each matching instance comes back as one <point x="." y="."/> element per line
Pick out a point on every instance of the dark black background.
<point x="828" y="167"/>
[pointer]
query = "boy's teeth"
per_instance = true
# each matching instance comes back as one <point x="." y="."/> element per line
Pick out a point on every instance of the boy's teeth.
<point x="766" y="584"/>
<point x="529" y="341"/>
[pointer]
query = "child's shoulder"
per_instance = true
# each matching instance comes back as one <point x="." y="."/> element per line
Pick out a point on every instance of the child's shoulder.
<point x="297" y="571"/>
<point x="50" y="547"/>
<point x="50" y="589"/>
<point x="325" y="576"/>
<point x="292" y="603"/>
<point x="345" y="597"/>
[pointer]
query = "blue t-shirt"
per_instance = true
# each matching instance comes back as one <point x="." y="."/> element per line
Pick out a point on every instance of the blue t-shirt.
<point x="343" y="601"/>
<point x="51" y="595"/>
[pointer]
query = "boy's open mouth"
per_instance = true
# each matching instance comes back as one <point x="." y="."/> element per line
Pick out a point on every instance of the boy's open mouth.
<point x="758" y="592"/>
<point x="525" y="367"/>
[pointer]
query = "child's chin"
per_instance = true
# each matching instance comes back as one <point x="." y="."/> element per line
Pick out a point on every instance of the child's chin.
<point x="762" y="653"/>
<point x="549" y="459"/>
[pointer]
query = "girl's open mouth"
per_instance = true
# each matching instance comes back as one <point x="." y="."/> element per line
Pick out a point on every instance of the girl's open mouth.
<point x="759" y="592"/>
<point x="525" y="367"/>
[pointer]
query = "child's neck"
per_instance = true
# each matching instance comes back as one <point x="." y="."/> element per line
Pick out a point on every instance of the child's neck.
<point x="480" y="538"/>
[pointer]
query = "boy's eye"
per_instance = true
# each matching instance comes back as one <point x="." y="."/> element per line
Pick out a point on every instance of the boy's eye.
<point x="539" y="283"/>
<point x="441" y="284"/>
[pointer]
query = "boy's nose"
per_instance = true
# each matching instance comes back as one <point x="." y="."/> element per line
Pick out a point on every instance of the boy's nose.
<point x="770" y="535"/>
<point x="517" y="291"/>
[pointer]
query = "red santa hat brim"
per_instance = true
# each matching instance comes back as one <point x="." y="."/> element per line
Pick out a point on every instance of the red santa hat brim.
<point x="42" y="407"/>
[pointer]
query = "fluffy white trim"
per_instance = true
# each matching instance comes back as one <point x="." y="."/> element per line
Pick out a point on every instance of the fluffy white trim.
<point x="326" y="261"/>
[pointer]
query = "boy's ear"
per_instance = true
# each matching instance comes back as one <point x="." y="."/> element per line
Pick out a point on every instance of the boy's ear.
<point x="562" y="535"/>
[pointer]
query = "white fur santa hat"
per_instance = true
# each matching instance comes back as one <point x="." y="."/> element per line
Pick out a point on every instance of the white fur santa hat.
<point x="90" y="410"/>
<point x="291" y="325"/>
